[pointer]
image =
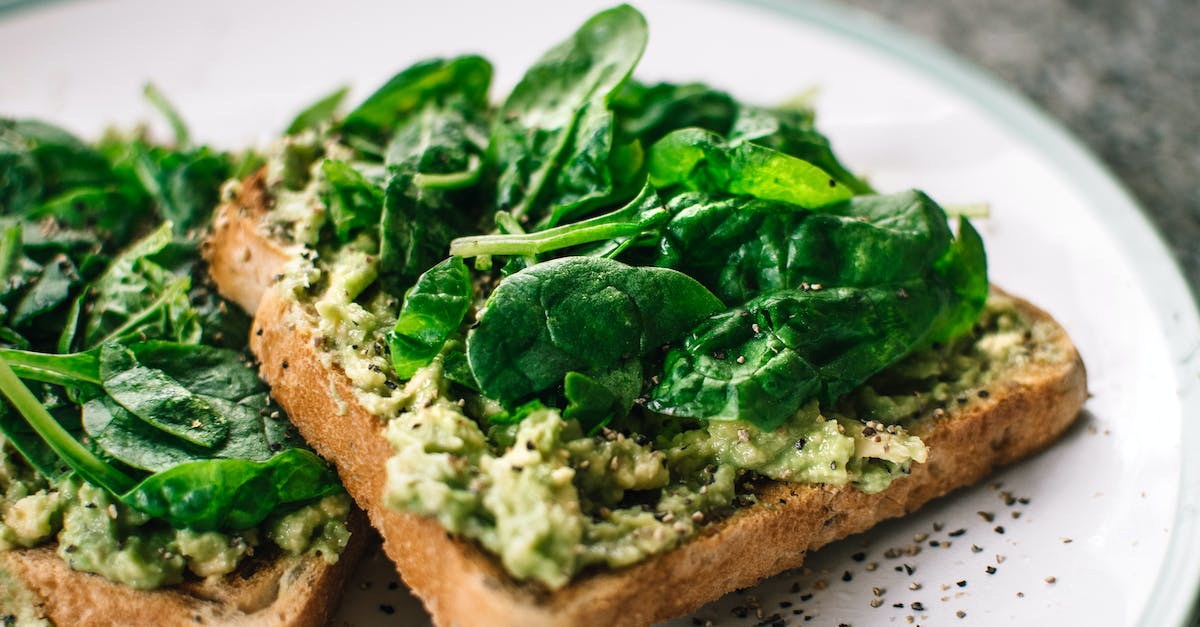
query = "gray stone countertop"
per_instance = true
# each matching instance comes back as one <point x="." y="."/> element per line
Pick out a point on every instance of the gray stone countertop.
<point x="1122" y="75"/>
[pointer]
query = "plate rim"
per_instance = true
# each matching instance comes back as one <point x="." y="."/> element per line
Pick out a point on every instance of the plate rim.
<point x="1176" y="591"/>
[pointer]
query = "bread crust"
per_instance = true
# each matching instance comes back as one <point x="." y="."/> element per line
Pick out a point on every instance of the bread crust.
<point x="292" y="591"/>
<point x="462" y="585"/>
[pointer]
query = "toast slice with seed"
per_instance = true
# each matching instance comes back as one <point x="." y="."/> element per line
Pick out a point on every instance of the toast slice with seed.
<point x="1026" y="408"/>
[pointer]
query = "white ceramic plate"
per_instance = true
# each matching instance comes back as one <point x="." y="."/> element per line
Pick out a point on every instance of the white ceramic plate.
<point x="1107" y="526"/>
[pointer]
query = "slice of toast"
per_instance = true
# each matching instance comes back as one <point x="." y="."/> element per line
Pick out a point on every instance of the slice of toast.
<point x="460" y="584"/>
<point x="291" y="591"/>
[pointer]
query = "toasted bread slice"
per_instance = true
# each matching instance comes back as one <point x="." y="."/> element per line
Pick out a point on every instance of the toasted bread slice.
<point x="460" y="584"/>
<point x="278" y="591"/>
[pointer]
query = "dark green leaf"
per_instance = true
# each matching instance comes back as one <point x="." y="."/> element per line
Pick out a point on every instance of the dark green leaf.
<point x="412" y="89"/>
<point x="232" y="494"/>
<point x="318" y="112"/>
<point x="701" y="160"/>
<point x="159" y="400"/>
<point x="557" y="117"/>
<point x="580" y="314"/>
<point x="740" y="247"/>
<point x="354" y="201"/>
<point x="649" y="112"/>
<point x="433" y="310"/>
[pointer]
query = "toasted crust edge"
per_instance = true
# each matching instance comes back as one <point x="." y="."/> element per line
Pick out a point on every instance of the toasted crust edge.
<point x="462" y="585"/>
<point x="293" y="591"/>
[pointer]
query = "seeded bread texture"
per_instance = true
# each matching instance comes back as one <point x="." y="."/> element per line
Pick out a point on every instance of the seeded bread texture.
<point x="1026" y="409"/>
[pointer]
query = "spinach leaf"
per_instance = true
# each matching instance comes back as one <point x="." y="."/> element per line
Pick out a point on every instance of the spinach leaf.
<point x="701" y="160"/>
<point x="791" y="130"/>
<point x="184" y="186"/>
<point x="595" y="401"/>
<point x="158" y="400"/>
<point x="50" y="289"/>
<point x="433" y="310"/>
<point x="231" y="494"/>
<point x="318" y="112"/>
<point x="136" y="296"/>
<point x="370" y="124"/>
<point x="553" y="144"/>
<point x="647" y="112"/>
<point x="433" y="162"/>
<point x="580" y="314"/>
<point x="354" y="201"/>
<point x="760" y="362"/>
<point x="740" y="247"/>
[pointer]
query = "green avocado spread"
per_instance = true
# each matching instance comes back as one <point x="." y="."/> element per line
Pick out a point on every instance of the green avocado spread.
<point x="550" y="500"/>
<point x="96" y="533"/>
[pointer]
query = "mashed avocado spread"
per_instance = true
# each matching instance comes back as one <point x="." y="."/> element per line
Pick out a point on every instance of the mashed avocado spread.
<point x="551" y="500"/>
<point x="96" y="533"/>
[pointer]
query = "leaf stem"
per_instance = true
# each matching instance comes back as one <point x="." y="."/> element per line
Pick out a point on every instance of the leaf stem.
<point x="77" y="456"/>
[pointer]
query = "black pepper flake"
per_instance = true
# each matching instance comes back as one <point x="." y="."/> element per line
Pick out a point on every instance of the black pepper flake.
<point x="909" y="569"/>
<point x="991" y="570"/>
<point x="71" y="548"/>
<point x="274" y="446"/>
<point x="898" y="605"/>
<point x="956" y="533"/>
<point x="800" y="444"/>
<point x="740" y="611"/>
<point x="917" y="606"/>
<point x="833" y="465"/>
<point x="858" y="557"/>
<point x="785" y="604"/>
<point x="719" y="355"/>
<point x="795" y="587"/>
<point x="847" y="576"/>
<point x="806" y="597"/>
<point x="284" y="364"/>
<point x="391" y="385"/>
<point x="259" y="331"/>
<point x="983" y="394"/>
<point x="387" y="609"/>
<point x="962" y="583"/>
<point x="934" y="543"/>
<point x="999" y="529"/>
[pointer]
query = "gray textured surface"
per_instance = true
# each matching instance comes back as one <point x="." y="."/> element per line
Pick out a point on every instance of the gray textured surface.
<point x="1122" y="75"/>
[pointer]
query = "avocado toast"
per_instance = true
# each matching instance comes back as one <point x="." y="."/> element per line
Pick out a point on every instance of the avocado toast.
<point x="609" y="350"/>
<point x="144" y="473"/>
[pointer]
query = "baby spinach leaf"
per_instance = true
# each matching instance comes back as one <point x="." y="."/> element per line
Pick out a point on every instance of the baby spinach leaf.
<point x="318" y="112"/>
<point x="406" y="93"/>
<point x="137" y="296"/>
<point x="647" y="112"/>
<point x="580" y="314"/>
<point x="701" y="160"/>
<point x="231" y="494"/>
<point x="740" y="247"/>
<point x="553" y="140"/>
<point x="595" y="400"/>
<point x="433" y="310"/>
<point x="50" y="289"/>
<point x="433" y="161"/>
<point x="790" y="130"/>
<point x="354" y="201"/>
<point x="185" y="186"/>
<point x="158" y="400"/>
<point x="761" y="362"/>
